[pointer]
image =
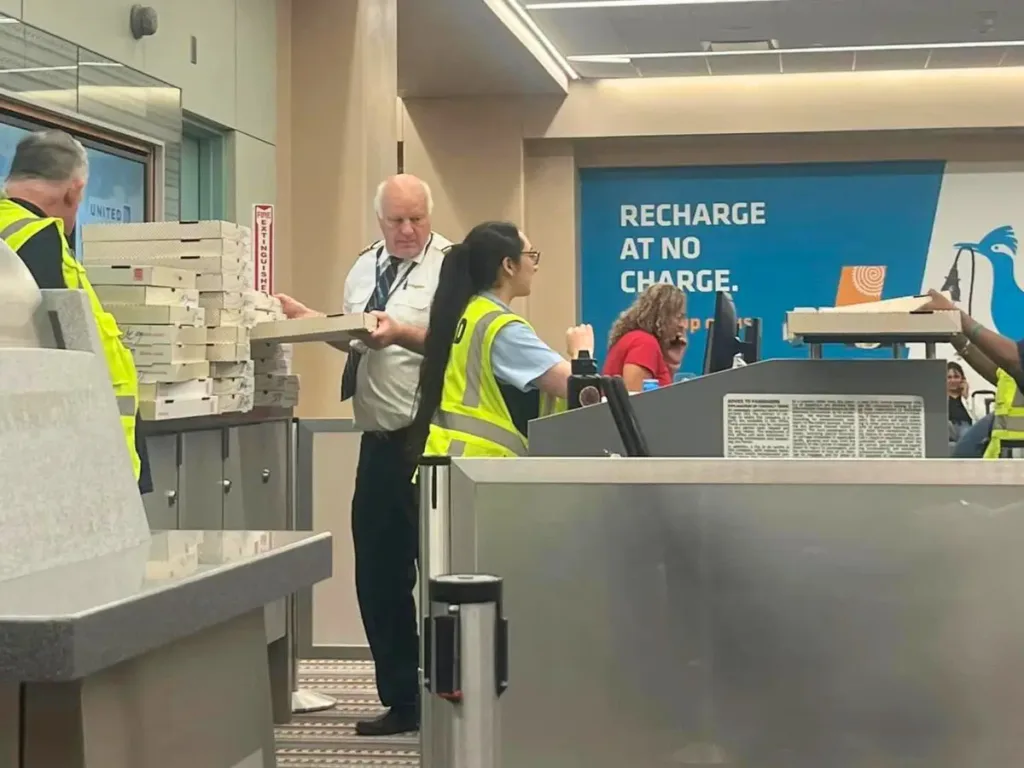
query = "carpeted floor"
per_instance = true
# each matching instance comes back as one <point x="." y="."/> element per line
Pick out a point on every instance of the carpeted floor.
<point x="328" y="739"/>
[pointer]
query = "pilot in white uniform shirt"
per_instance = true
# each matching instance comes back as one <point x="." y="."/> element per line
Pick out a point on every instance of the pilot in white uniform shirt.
<point x="387" y="378"/>
<point x="383" y="381"/>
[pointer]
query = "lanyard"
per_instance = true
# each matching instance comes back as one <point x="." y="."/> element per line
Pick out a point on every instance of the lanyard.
<point x="400" y="280"/>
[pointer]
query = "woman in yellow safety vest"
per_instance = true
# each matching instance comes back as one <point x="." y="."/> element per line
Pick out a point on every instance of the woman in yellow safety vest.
<point x="485" y="373"/>
<point x="999" y="360"/>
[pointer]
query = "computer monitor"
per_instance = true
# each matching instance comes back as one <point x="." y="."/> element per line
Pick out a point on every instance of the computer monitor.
<point x="723" y="343"/>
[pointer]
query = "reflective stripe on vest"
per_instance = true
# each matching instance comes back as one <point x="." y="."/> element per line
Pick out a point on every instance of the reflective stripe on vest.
<point x="18" y="225"/>
<point x="478" y="427"/>
<point x="127" y="405"/>
<point x="475" y="367"/>
<point x="473" y="418"/>
<point x="1007" y="414"/>
<point x="15" y="226"/>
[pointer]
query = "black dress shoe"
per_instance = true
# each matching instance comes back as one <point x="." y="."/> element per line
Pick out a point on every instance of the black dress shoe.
<point x="396" y="720"/>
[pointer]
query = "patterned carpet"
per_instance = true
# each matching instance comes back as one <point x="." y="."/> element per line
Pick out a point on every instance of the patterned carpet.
<point x="328" y="739"/>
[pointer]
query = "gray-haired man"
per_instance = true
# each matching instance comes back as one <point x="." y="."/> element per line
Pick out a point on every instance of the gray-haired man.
<point x="38" y="211"/>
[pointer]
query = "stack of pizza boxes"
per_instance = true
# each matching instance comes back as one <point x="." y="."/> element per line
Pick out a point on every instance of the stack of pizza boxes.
<point x="182" y="293"/>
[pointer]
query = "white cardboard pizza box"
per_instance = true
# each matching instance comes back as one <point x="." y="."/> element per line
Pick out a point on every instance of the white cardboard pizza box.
<point x="329" y="328"/>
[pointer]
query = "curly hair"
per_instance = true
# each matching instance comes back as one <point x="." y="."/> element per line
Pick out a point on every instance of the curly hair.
<point x="655" y="311"/>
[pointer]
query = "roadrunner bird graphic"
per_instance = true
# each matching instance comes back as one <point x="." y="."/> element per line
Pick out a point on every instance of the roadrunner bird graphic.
<point x="1000" y="248"/>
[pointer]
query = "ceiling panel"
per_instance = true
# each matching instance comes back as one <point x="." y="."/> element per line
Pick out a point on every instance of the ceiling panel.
<point x="892" y="22"/>
<point x="689" y="67"/>
<point x="759" y="64"/>
<point x="594" y="33"/>
<point x="682" y="27"/>
<point x="1014" y="57"/>
<point x="794" y="23"/>
<point x="596" y="70"/>
<point x="436" y="40"/>
<point x="868" y="61"/>
<point x="957" y="58"/>
<point x="796" y="63"/>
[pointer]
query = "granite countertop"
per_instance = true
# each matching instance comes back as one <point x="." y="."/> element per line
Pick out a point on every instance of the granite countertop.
<point x="69" y="622"/>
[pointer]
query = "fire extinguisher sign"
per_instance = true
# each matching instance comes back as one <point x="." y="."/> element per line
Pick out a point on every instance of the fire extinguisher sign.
<point x="263" y="246"/>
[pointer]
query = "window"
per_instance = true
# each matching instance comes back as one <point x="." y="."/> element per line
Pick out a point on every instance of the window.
<point x="118" y="178"/>
<point x="202" y="172"/>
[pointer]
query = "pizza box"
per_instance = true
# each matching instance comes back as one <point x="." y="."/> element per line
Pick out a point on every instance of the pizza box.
<point x="164" y="230"/>
<point x="330" y="328"/>
<point x="130" y="274"/>
<point x="187" y="408"/>
<point x="908" y="327"/>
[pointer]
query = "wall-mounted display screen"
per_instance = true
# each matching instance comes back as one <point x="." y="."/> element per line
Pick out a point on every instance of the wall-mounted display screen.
<point x="116" y="191"/>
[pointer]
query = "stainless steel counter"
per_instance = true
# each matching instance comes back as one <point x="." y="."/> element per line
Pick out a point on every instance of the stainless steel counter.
<point x="227" y="472"/>
<point x="70" y="622"/>
<point x="153" y="656"/>
<point x="792" y="613"/>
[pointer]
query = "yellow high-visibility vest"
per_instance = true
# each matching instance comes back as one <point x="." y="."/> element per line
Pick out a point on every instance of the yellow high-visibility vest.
<point x="1007" y="413"/>
<point x="550" y="405"/>
<point x="18" y="225"/>
<point x="473" y="419"/>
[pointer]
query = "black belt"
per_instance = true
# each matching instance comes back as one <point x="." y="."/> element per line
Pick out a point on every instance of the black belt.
<point x="382" y="434"/>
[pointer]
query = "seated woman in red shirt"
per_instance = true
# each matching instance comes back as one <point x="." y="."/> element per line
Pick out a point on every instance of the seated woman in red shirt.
<point x="648" y="339"/>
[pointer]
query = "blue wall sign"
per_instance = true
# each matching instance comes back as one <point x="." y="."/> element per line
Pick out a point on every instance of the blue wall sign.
<point x="775" y="236"/>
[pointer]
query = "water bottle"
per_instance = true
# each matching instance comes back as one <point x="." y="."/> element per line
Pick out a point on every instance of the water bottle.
<point x="20" y="299"/>
<point x="584" y="386"/>
<point x="650" y="384"/>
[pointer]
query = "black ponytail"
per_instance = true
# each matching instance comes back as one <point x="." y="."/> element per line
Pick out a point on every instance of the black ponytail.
<point x="469" y="267"/>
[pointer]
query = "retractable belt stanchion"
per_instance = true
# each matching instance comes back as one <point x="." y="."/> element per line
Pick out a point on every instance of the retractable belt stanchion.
<point x="304" y="701"/>
<point x="435" y="524"/>
<point x="466" y="644"/>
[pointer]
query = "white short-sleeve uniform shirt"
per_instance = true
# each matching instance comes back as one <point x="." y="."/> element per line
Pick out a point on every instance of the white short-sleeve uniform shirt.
<point x="387" y="379"/>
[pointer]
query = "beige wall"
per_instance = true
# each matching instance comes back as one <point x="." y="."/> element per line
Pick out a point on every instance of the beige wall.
<point x="232" y="80"/>
<point x="810" y="103"/>
<point x="519" y="160"/>
<point x="338" y="136"/>
<point x="231" y="84"/>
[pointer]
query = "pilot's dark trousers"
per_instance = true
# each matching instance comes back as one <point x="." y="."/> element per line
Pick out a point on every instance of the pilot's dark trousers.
<point x="386" y="540"/>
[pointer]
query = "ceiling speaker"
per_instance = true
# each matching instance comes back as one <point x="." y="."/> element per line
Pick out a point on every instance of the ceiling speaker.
<point x="143" y="21"/>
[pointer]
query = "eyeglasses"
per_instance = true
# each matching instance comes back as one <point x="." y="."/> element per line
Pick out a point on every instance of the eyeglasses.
<point x="533" y="256"/>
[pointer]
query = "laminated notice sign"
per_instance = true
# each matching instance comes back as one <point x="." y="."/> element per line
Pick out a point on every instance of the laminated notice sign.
<point x="759" y="426"/>
<point x="263" y="246"/>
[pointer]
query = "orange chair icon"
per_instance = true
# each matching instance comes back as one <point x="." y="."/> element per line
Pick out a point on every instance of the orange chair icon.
<point x="860" y="285"/>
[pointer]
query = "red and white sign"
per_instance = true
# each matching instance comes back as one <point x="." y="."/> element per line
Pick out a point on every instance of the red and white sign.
<point x="263" y="246"/>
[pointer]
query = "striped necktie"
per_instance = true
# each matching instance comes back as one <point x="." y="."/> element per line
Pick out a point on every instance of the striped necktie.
<point x="379" y="299"/>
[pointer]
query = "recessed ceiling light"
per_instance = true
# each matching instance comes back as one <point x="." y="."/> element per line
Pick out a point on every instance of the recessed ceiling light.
<point x="565" y="5"/>
<point x="36" y="70"/>
<point x="606" y="58"/>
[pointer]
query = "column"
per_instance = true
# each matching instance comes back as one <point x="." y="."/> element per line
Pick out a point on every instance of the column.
<point x="339" y="139"/>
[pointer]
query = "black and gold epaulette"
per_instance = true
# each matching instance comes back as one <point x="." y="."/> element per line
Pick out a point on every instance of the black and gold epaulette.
<point x="371" y="246"/>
